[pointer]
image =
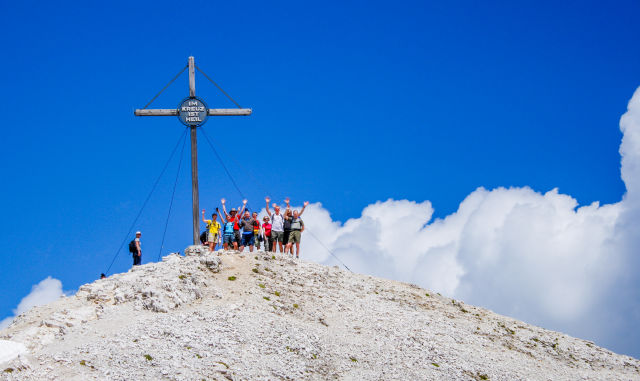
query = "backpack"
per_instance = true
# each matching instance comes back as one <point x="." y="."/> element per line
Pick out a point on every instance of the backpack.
<point x="203" y="236"/>
<point x="133" y="249"/>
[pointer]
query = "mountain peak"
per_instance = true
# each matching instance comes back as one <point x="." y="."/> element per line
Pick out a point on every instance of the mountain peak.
<point x="262" y="316"/>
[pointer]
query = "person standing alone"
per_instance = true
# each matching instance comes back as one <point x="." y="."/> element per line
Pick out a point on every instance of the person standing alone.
<point x="135" y="247"/>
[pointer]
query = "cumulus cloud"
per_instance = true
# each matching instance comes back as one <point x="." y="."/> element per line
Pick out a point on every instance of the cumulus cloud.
<point x="539" y="257"/>
<point x="48" y="290"/>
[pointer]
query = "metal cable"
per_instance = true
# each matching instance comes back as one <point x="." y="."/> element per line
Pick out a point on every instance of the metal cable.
<point x="221" y="162"/>
<point x="327" y="249"/>
<point x="164" y="88"/>
<point x="248" y="172"/>
<point x="126" y="237"/>
<point x="172" y="196"/>
<point x="219" y="88"/>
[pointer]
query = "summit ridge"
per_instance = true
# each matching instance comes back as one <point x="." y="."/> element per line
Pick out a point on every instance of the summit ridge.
<point x="259" y="316"/>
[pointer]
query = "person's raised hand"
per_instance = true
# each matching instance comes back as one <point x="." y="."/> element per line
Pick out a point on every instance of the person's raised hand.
<point x="223" y="201"/>
<point x="267" y="199"/>
<point x="286" y="200"/>
<point x="202" y="211"/>
<point x="306" y="203"/>
<point x="244" y="202"/>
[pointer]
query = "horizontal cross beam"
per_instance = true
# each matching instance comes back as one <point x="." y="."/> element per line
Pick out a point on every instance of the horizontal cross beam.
<point x="174" y="111"/>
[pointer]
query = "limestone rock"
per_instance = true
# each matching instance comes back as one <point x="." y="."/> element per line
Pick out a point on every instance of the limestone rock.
<point x="227" y="316"/>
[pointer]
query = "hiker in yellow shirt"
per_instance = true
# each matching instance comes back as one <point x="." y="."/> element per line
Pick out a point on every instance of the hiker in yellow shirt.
<point x="214" y="229"/>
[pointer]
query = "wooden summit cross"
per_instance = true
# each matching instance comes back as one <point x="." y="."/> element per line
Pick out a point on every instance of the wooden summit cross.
<point x="193" y="112"/>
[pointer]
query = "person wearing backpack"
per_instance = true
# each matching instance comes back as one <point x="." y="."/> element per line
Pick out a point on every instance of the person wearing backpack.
<point x="288" y="219"/>
<point x="297" y="227"/>
<point x="135" y="249"/>
<point x="213" y="227"/>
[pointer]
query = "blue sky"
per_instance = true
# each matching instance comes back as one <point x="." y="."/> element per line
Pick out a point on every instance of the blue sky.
<point x="354" y="102"/>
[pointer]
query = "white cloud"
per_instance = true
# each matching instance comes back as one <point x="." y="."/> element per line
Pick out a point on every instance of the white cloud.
<point x="535" y="256"/>
<point x="48" y="290"/>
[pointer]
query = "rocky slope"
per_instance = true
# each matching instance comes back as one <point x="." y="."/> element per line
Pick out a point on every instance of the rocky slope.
<point x="253" y="316"/>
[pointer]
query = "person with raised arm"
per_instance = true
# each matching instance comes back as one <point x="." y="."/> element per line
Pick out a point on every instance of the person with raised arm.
<point x="288" y="213"/>
<point x="232" y="217"/>
<point x="247" y="223"/>
<point x="213" y="227"/>
<point x="297" y="227"/>
<point x="227" y="232"/>
<point x="277" y="226"/>
<point x="286" y="226"/>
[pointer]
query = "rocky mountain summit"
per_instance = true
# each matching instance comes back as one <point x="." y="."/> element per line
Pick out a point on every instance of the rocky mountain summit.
<point x="257" y="316"/>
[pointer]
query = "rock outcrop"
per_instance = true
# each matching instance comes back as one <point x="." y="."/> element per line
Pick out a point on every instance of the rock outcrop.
<point x="228" y="316"/>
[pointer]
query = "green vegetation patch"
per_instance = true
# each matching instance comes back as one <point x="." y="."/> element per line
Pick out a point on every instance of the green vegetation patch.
<point x="483" y="376"/>
<point x="182" y="277"/>
<point x="277" y="293"/>
<point x="232" y="277"/>
<point x="222" y="363"/>
<point x="266" y="298"/>
<point x="353" y="359"/>
<point x="295" y="305"/>
<point x="9" y="370"/>
<point x="149" y="358"/>
<point x="435" y="364"/>
<point x="261" y="285"/>
<point x="255" y="270"/>
<point x="511" y="331"/>
<point x="84" y="363"/>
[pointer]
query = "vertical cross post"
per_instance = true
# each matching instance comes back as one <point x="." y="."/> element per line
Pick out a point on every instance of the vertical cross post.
<point x="193" y="108"/>
<point x="195" y="197"/>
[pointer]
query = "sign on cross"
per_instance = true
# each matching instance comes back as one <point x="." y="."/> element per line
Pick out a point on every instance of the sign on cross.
<point x="193" y="112"/>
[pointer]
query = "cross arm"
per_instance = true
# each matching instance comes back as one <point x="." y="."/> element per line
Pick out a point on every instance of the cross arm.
<point x="174" y="112"/>
<point x="157" y="112"/>
<point x="230" y="111"/>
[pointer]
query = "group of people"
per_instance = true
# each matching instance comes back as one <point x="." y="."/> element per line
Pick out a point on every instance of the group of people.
<point x="240" y="228"/>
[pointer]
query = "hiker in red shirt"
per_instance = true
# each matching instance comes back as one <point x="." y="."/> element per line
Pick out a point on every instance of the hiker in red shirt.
<point x="266" y="233"/>
<point x="233" y="216"/>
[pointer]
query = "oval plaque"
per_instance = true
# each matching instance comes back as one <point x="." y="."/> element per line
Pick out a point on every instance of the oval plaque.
<point x="193" y="112"/>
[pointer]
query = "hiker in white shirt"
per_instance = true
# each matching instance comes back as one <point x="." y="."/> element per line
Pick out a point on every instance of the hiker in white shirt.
<point x="277" y="226"/>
